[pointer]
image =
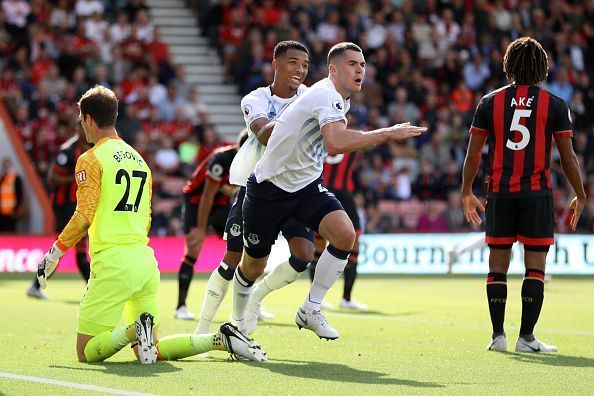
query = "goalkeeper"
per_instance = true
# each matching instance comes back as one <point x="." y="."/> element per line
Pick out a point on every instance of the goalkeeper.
<point x="113" y="204"/>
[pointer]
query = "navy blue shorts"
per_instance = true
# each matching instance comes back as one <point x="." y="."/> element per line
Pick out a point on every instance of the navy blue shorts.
<point x="290" y="229"/>
<point x="216" y="219"/>
<point x="267" y="207"/>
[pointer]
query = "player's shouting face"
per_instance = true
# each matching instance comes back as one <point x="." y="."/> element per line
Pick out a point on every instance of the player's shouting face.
<point x="292" y="67"/>
<point x="350" y="70"/>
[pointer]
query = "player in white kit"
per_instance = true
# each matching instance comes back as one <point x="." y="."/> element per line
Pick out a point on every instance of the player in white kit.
<point x="287" y="183"/>
<point x="260" y="107"/>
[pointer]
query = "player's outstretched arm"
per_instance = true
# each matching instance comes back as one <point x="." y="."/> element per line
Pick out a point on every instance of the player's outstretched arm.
<point x="571" y="168"/>
<point x="470" y="203"/>
<point x="339" y="139"/>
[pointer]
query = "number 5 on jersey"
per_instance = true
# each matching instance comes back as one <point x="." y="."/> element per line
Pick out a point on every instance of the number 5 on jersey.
<point x="517" y="127"/>
<point x="123" y="205"/>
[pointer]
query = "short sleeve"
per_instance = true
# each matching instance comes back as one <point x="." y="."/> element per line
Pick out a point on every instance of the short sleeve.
<point x="330" y="108"/>
<point x="479" y="122"/>
<point x="216" y="167"/>
<point x="65" y="163"/>
<point x="562" y="127"/>
<point x="253" y="107"/>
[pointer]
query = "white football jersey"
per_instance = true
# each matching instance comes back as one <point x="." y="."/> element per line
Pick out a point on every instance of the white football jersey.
<point x="260" y="103"/>
<point x="296" y="150"/>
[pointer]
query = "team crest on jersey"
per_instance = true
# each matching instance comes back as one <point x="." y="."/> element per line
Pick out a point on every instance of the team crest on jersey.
<point x="247" y="109"/>
<point x="62" y="159"/>
<point x="217" y="170"/>
<point x="81" y="176"/>
<point x="254" y="239"/>
<point x="235" y="230"/>
<point x="338" y="105"/>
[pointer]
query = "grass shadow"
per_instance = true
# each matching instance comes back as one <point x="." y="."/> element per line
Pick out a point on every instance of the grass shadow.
<point x="125" y="369"/>
<point x="553" y="359"/>
<point x="355" y="312"/>
<point x="339" y="373"/>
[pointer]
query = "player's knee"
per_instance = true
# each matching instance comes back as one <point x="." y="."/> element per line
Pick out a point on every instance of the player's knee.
<point x="344" y="239"/>
<point x="302" y="249"/>
<point x="253" y="269"/>
<point x="232" y="259"/>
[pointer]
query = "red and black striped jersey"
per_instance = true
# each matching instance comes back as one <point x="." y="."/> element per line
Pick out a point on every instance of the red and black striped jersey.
<point x="519" y="123"/>
<point x="338" y="172"/>
<point x="64" y="165"/>
<point x="216" y="168"/>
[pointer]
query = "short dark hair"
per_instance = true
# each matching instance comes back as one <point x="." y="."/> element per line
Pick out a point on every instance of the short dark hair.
<point x="101" y="104"/>
<point x="340" y="49"/>
<point x="286" y="45"/>
<point x="525" y="62"/>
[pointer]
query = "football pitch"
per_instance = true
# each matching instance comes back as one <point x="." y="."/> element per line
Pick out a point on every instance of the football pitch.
<point x="422" y="335"/>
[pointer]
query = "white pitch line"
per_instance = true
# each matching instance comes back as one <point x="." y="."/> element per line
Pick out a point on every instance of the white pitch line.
<point x="448" y="323"/>
<point x="74" y="385"/>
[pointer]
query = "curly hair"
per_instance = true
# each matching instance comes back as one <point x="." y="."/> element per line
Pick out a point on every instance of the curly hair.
<point x="525" y="62"/>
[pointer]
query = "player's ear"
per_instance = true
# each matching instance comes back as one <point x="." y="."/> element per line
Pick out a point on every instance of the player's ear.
<point x="332" y="69"/>
<point x="274" y="65"/>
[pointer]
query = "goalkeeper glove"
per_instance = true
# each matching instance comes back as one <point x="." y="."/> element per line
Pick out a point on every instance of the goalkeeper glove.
<point x="48" y="265"/>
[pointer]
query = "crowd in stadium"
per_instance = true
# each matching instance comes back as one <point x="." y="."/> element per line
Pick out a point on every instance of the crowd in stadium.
<point x="428" y="62"/>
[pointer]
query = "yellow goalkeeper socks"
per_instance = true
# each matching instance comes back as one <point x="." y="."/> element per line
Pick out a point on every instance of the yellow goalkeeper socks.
<point x="180" y="346"/>
<point x="106" y="344"/>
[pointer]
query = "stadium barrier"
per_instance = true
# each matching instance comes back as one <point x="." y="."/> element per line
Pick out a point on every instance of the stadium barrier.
<point x="378" y="254"/>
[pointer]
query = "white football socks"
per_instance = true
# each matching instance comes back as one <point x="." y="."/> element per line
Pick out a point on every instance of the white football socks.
<point x="328" y="271"/>
<point x="282" y="275"/>
<point x="216" y="289"/>
<point x="242" y="290"/>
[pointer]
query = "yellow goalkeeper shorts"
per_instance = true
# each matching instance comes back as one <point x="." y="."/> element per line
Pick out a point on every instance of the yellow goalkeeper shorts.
<point x="124" y="279"/>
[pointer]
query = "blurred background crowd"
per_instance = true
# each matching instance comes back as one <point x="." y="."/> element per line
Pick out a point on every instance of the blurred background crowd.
<point x="428" y="62"/>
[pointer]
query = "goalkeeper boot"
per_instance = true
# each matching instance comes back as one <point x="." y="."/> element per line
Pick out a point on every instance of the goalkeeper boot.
<point x="535" y="345"/>
<point x="315" y="321"/>
<point x="239" y="346"/>
<point x="147" y="351"/>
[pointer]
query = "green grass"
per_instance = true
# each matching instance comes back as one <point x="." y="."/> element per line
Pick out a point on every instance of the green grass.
<point x="424" y="335"/>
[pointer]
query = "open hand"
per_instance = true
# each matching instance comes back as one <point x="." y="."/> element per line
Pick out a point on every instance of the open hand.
<point x="471" y="206"/>
<point x="405" y="131"/>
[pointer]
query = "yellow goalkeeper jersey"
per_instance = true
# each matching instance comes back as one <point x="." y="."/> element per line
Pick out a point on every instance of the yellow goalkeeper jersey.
<point x="113" y="198"/>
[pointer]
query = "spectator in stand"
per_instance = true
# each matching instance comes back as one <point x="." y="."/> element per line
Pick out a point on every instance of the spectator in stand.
<point x="86" y="8"/>
<point x="12" y="202"/>
<point x="432" y="219"/>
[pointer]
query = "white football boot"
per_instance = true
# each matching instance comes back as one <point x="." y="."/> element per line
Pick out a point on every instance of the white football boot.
<point x="498" y="344"/>
<point x="315" y="321"/>
<point x="182" y="313"/>
<point x="263" y="314"/>
<point x="533" y="346"/>
<point x="147" y="351"/>
<point x="37" y="293"/>
<point x="239" y="346"/>
<point x="353" y="304"/>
